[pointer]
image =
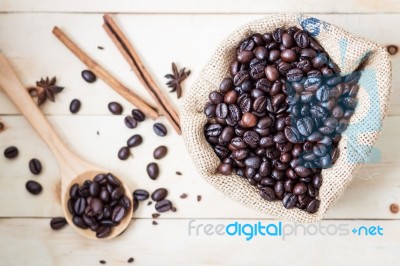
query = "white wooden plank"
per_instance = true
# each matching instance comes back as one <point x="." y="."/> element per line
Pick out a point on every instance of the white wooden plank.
<point x="205" y="6"/>
<point x="169" y="243"/>
<point x="374" y="188"/>
<point x="188" y="40"/>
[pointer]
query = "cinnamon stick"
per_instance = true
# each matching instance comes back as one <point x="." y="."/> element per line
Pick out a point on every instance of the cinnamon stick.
<point x="133" y="59"/>
<point x="106" y="76"/>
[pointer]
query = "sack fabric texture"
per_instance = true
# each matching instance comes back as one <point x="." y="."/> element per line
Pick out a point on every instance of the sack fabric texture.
<point x="350" y="53"/>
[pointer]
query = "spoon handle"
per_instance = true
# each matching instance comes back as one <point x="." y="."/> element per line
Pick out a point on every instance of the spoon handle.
<point x="21" y="98"/>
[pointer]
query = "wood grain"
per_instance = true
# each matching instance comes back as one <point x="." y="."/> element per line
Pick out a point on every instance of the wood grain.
<point x="169" y="243"/>
<point x="205" y="6"/>
<point x="158" y="44"/>
<point x="374" y="188"/>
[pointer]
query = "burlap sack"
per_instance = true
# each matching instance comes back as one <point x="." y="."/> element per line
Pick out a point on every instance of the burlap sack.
<point x="357" y="143"/>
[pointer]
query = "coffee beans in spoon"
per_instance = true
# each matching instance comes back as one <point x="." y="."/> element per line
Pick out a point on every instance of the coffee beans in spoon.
<point x="99" y="204"/>
<point x="278" y="118"/>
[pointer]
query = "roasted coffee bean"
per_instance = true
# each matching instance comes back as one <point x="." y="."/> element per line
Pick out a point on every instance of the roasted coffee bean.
<point x="159" y="194"/>
<point x="160" y="152"/>
<point x="221" y="110"/>
<point x="302" y="39"/>
<point x="289" y="201"/>
<point x="141" y="194"/>
<point x="124" y="153"/>
<point x="249" y="119"/>
<point x="112" y="180"/>
<point x="94" y="189"/>
<point x="105" y="196"/>
<point x="261" y="52"/>
<point x="78" y="221"/>
<point x="267" y="193"/>
<point x="11" y="152"/>
<point x="118" y="214"/>
<point x="115" y="108"/>
<point x="215" y="97"/>
<point x="75" y="106"/>
<point x="117" y="193"/>
<point x="160" y="129"/>
<point x="224" y="168"/>
<point x="153" y="170"/>
<point x="130" y="122"/>
<point x="313" y="206"/>
<point x="138" y="115"/>
<point x="245" y="56"/>
<point x="88" y="76"/>
<point x="241" y="77"/>
<point x="103" y="232"/>
<point x="57" y="223"/>
<point x="35" y="166"/>
<point x="226" y="85"/>
<point x="163" y="205"/>
<point x="300" y="188"/>
<point x="134" y="141"/>
<point x="271" y="73"/>
<point x="73" y="191"/>
<point x="33" y="187"/>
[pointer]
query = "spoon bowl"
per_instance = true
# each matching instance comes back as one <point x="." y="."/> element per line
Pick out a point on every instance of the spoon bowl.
<point x="72" y="168"/>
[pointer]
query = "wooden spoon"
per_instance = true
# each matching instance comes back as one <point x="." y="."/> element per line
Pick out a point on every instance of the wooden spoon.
<point x="73" y="169"/>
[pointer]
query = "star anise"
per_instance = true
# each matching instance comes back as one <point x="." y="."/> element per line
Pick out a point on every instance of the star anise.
<point x="45" y="89"/>
<point x="176" y="78"/>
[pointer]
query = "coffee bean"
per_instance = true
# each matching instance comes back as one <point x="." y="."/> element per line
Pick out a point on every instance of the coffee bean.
<point x="289" y="201"/>
<point x="124" y="153"/>
<point x="134" y="141"/>
<point x="118" y="214"/>
<point x="141" y="194"/>
<point x="138" y="115"/>
<point x="11" y="152"/>
<point x="94" y="189"/>
<point x="88" y="76"/>
<point x="225" y="169"/>
<point x="130" y="122"/>
<point x="153" y="170"/>
<point x="79" y="206"/>
<point x="79" y="222"/>
<point x="1" y="126"/>
<point x="57" y="223"/>
<point x="160" y="152"/>
<point x="226" y="85"/>
<point x="103" y="232"/>
<point x="163" y="206"/>
<point x="245" y="56"/>
<point x="112" y="180"/>
<point x="271" y="73"/>
<point x="268" y="194"/>
<point x="115" y="108"/>
<point x="130" y="260"/>
<point x="35" y="166"/>
<point x="33" y="187"/>
<point x="160" y="129"/>
<point x="159" y="194"/>
<point x="75" y="106"/>
<point x="313" y="206"/>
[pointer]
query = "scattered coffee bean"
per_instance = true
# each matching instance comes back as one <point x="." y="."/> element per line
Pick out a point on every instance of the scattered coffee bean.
<point x="130" y="122"/>
<point x="141" y="194"/>
<point x="102" y="262"/>
<point x="1" y="126"/>
<point x="33" y="187"/>
<point x="163" y="205"/>
<point x="183" y="196"/>
<point x="392" y="49"/>
<point x="124" y="153"/>
<point x="153" y="170"/>
<point x="130" y="260"/>
<point x="57" y="223"/>
<point x="155" y="215"/>
<point x="11" y="152"/>
<point x="35" y="166"/>
<point x="88" y="76"/>
<point x="155" y="223"/>
<point x="394" y="208"/>
<point x="100" y="47"/>
<point x="199" y="198"/>
<point x="160" y="152"/>
<point x="115" y="108"/>
<point x="138" y="115"/>
<point x="160" y="129"/>
<point x="159" y="194"/>
<point x="134" y="141"/>
<point x="275" y="119"/>
<point x="178" y="173"/>
<point x="173" y="209"/>
<point x="149" y="203"/>
<point x="75" y="106"/>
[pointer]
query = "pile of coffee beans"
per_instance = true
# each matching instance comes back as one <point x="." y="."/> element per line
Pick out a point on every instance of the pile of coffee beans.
<point x="278" y="118"/>
<point x="99" y="204"/>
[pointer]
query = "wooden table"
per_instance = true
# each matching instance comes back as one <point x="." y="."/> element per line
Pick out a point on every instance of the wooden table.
<point x="186" y="32"/>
